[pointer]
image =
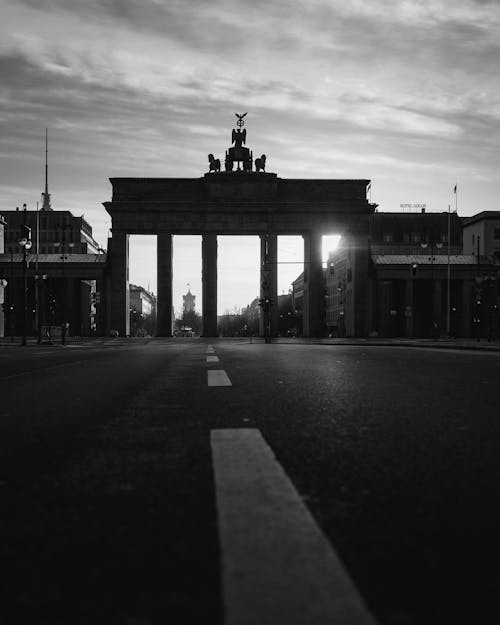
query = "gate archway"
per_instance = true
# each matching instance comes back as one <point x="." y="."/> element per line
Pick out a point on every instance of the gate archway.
<point x="235" y="203"/>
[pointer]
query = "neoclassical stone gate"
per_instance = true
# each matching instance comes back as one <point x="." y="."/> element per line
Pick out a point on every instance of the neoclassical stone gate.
<point x="242" y="202"/>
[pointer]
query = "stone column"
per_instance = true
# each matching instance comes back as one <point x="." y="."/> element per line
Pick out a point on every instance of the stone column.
<point x="269" y="280"/>
<point x="100" y="306"/>
<point x="119" y="293"/>
<point x="313" y="285"/>
<point x="209" y="283"/>
<point x="164" y="304"/>
<point x="359" y="262"/>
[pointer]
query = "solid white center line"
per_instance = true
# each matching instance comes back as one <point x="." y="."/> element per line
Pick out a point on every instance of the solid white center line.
<point x="210" y="350"/>
<point x="278" y="567"/>
<point x="212" y="359"/>
<point x="217" y="377"/>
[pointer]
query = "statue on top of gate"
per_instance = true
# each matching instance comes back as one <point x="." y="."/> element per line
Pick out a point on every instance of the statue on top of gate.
<point x="238" y="153"/>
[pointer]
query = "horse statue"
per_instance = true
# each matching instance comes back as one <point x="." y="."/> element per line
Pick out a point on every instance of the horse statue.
<point x="214" y="163"/>
<point x="260" y="163"/>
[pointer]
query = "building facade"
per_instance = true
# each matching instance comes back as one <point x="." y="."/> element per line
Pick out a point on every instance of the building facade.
<point x="423" y="282"/>
<point x="188" y="302"/>
<point x="142" y="311"/>
<point x="63" y="274"/>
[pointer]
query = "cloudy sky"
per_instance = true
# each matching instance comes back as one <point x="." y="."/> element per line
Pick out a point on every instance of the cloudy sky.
<point x="405" y="93"/>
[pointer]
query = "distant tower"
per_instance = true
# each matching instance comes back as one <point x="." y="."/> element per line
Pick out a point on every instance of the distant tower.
<point x="189" y="301"/>
<point x="46" y="195"/>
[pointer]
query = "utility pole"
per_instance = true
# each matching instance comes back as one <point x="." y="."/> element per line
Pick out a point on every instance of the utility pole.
<point x="25" y="243"/>
<point x="265" y="300"/>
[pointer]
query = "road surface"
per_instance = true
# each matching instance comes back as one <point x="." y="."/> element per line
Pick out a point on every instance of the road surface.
<point x="112" y="512"/>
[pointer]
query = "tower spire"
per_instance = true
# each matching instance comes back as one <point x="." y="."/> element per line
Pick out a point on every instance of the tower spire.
<point x="46" y="195"/>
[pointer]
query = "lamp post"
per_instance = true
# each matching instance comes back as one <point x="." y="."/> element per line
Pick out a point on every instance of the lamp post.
<point x="25" y="242"/>
<point x="11" y="297"/>
<point x="432" y="258"/>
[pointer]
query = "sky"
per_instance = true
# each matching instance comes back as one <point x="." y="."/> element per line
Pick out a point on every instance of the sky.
<point x="404" y="93"/>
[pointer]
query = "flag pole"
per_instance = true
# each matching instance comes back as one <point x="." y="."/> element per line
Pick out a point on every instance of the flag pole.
<point x="448" y="282"/>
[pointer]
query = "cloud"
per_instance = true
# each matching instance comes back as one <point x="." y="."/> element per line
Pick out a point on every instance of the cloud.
<point x="333" y="88"/>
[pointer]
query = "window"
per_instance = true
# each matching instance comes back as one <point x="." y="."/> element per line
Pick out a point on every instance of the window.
<point x="388" y="238"/>
<point x="406" y="237"/>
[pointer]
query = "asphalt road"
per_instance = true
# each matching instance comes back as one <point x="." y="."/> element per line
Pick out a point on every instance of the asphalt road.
<point x="108" y="500"/>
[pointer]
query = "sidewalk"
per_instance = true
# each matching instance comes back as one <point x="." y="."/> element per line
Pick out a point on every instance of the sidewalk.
<point x="444" y="343"/>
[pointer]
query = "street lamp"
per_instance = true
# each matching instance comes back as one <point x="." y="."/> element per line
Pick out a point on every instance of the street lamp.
<point x="432" y="258"/>
<point x="25" y="242"/>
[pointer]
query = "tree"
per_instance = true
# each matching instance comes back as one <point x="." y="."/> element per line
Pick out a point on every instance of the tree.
<point x="191" y="320"/>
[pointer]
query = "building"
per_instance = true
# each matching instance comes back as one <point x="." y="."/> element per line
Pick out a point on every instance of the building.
<point x="65" y="273"/>
<point x="423" y="280"/>
<point x="52" y="232"/>
<point x="188" y="302"/>
<point x="142" y="311"/>
<point x="481" y="235"/>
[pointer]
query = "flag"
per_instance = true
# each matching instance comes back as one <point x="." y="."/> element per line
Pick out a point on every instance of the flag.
<point x="455" y="190"/>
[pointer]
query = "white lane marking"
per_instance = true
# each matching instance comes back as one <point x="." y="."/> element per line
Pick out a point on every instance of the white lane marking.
<point x="66" y="364"/>
<point x="218" y="377"/>
<point x="212" y="359"/>
<point x="278" y="567"/>
<point x="210" y="350"/>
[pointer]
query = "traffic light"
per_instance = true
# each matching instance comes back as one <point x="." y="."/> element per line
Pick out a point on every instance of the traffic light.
<point x="331" y="268"/>
<point x="414" y="268"/>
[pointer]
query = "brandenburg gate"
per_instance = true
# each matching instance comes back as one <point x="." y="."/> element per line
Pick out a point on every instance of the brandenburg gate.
<point x="242" y="201"/>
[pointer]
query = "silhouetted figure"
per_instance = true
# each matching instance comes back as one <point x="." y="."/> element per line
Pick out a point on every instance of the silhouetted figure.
<point x="260" y="163"/>
<point x="214" y="163"/>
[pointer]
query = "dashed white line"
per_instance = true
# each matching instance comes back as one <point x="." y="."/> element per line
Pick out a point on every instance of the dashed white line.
<point x="218" y="377"/>
<point x="210" y="350"/>
<point x="212" y="358"/>
<point x="277" y="565"/>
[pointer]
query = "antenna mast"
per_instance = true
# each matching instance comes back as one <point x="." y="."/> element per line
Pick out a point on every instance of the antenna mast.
<point x="46" y="196"/>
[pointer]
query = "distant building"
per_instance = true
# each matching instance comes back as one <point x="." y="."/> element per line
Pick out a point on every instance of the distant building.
<point x="188" y="302"/>
<point x="52" y="232"/>
<point x="142" y="311"/>
<point x="482" y="233"/>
